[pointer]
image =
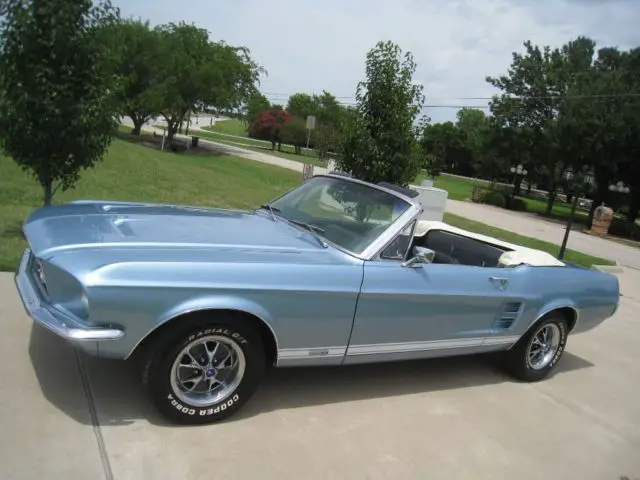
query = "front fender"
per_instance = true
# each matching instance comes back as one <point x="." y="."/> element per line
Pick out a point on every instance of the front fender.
<point x="223" y="302"/>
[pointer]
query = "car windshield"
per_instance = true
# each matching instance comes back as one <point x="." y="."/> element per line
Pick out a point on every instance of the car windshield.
<point x="348" y="214"/>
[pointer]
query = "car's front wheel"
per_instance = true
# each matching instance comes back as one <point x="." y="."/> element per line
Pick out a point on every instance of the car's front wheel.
<point x="204" y="372"/>
<point x="539" y="350"/>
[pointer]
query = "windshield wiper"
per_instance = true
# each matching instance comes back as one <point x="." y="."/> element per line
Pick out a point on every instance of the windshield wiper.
<point x="312" y="229"/>
<point x="308" y="226"/>
<point x="272" y="211"/>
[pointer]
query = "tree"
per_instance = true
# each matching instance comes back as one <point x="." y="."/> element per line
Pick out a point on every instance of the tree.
<point x="294" y="132"/>
<point x="196" y="73"/>
<point x="534" y="95"/>
<point x="380" y="140"/>
<point x="442" y="148"/>
<point x="327" y="140"/>
<point x="302" y="105"/>
<point x="57" y="107"/>
<point x="269" y="126"/>
<point x="137" y="47"/>
<point x="257" y="103"/>
<point x="324" y="107"/>
<point x="604" y="129"/>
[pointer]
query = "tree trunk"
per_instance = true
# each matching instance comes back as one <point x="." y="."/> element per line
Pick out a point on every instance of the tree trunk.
<point x="138" y="122"/>
<point x="551" y="199"/>
<point x="186" y="132"/>
<point x="137" y="126"/>
<point x="172" y="127"/>
<point x="47" y="189"/>
<point x="517" y="186"/>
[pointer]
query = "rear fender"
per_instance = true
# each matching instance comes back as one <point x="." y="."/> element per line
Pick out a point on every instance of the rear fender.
<point x="555" y="305"/>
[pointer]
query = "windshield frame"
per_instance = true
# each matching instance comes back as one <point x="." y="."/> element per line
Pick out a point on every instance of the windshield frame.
<point x="382" y="240"/>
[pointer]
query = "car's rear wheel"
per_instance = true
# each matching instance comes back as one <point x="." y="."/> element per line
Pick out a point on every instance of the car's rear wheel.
<point x="537" y="353"/>
<point x="204" y="371"/>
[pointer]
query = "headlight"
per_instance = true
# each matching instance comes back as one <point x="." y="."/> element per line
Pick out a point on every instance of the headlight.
<point x="39" y="271"/>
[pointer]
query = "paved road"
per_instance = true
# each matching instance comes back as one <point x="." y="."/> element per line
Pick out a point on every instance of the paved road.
<point x="458" y="418"/>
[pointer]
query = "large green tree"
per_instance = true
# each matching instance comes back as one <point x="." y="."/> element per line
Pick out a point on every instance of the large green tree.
<point x="380" y="141"/>
<point x="534" y="95"/>
<point x="198" y="74"/>
<point x="57" y="106"/>
<point x="602" y="121"/>
<point x="137" y="49"/>
<point x="256" y="103"/>
<point x="442" y="149"/>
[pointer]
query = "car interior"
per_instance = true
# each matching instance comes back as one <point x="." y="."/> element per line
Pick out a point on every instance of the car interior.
<point x="449" y="248"/>
<point x="458" y="250"/>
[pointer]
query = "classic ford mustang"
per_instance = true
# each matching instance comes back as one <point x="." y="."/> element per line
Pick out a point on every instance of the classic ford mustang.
<point x="335" y="272"/>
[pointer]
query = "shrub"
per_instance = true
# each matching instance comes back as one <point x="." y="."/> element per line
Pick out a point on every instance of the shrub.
<point x="494" y="197"/>
<point x="517" y="204"/>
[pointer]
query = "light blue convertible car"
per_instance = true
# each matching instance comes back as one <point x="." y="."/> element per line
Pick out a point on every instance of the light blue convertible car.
<point x="335" y="272"/>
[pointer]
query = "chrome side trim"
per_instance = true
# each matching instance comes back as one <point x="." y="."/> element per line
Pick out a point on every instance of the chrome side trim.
<point x="510" y="340"/>
<point x="306" y="353"/>
<point x="59" y="323"/>
<point x="405" y="347"/>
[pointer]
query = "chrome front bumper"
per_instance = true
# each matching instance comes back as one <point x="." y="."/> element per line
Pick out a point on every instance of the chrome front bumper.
<point x="51" y="318"/>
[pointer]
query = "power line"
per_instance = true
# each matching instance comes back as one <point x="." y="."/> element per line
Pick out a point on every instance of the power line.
<point x="532" y="97"/>
<point x="423" y="106"/>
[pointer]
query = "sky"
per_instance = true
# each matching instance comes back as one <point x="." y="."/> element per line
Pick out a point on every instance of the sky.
<point x="314" y="45"/>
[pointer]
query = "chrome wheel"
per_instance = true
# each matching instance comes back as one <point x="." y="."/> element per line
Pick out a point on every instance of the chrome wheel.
<point x="543" y="346"/>
<point x="207" y="370"/>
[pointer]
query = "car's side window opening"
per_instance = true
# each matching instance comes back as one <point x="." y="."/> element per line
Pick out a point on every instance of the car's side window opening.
<point x="398" y="249"/>
<point x="456" y="249"/>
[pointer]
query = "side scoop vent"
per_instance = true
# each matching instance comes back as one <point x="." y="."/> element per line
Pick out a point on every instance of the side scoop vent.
<point x="508" y="314"/>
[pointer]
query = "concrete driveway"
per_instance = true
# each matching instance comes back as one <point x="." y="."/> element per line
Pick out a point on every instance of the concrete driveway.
<point x="66" y="416"/>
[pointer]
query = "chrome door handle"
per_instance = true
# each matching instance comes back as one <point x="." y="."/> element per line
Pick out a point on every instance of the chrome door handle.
<point x="501" y="280"/>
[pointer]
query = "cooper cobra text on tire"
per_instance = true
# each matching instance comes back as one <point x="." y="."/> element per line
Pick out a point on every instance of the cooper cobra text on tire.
<point x="205" y="370"/>
<point x="539" y="350"/>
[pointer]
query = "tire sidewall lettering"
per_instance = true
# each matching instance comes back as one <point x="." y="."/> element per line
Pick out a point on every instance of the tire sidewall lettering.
<point x="188" y="410"/>
<point x="219" y="331"/>
<point x="563" y="342"/>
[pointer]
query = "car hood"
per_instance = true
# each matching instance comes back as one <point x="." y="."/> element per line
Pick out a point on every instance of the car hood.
<point x="87" y="225"/>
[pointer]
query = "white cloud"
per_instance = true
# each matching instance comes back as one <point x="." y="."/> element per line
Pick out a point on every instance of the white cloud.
<point x="311" y="45"/>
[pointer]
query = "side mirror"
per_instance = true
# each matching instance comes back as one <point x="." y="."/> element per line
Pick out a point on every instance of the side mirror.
<point x="421" y="256"/>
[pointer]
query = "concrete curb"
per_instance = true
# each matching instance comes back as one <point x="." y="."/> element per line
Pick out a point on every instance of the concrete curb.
<point x="617" y="268"/>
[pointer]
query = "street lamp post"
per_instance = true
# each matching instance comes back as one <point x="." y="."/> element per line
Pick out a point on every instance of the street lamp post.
<point x="580" y="183"/>
<point x="619" y="187"/>
<point x="517" y="171"/>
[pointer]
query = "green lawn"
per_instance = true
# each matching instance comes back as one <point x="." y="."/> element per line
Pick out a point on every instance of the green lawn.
<point x="287" y="152"/>
<point x="230" y="127"/>
<point x="308" y="156"/>
<point x="136" y="172"/>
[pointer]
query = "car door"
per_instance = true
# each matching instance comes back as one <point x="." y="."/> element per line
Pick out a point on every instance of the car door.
<point x="433" y="310"/>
